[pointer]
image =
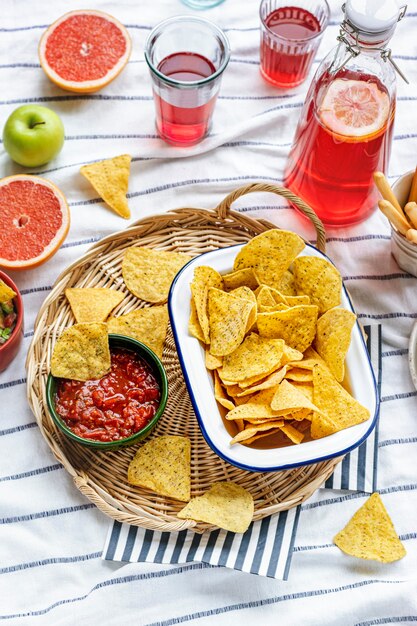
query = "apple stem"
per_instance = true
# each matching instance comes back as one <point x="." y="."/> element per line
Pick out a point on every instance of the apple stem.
<point x="37" y="124"/>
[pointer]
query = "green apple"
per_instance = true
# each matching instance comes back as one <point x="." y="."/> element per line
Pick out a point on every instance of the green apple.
<point x="33" y="135"/>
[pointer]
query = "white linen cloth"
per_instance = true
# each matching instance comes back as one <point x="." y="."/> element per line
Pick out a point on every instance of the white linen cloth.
<point x="51" y="537"/>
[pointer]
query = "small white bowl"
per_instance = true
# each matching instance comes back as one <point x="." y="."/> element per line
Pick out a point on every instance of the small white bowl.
<point x="200" y="384"/>
<point x="403" y="251"/>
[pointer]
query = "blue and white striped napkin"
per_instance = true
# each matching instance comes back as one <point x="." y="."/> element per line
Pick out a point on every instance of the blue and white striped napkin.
<point x="359" y="469"/>
<point x="264" y="549"/>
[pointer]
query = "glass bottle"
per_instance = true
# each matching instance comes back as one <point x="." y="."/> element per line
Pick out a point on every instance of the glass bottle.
<point x="345" y="130"/>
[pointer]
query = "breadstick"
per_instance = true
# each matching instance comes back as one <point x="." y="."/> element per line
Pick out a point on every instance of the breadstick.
<point x="413" y="191"/>
<point x="386" y="191"/>
<point x="394" y="217"/>
<point x="411" y="235"/>
<point x="410" y="210"/>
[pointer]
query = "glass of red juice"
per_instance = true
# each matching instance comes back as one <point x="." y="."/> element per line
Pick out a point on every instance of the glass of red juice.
<point x="187" y="56"/>
<point x="291" y="31"/>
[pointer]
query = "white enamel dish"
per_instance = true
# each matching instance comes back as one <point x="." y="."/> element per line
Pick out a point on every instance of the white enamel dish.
<point x="200" y="384"/>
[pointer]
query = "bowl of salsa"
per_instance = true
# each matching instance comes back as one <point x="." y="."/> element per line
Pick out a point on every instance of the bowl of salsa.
<point x="119" y="409"/>
<point x="11" y="320"/>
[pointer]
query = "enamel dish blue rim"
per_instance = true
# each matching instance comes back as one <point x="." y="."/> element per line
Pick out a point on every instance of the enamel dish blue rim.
<point x="200" y="384"/>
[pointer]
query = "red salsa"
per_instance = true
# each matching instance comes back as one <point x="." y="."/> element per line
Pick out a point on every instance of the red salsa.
<point x="114" y="407"/>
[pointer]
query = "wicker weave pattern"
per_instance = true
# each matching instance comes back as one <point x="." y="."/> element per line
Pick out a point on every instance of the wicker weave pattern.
<point x="101" y="476"/>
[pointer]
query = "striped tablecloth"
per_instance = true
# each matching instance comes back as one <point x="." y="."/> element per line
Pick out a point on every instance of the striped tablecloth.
<point x="51" y="538"/>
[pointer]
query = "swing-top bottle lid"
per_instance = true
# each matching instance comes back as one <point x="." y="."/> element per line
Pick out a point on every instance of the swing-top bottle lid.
<point x="374" y="17"/>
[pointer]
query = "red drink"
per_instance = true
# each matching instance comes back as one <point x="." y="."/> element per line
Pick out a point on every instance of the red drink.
<point x="287" y="57"/>
<point x="339" y="144"/>
<point x="184" y="118"/>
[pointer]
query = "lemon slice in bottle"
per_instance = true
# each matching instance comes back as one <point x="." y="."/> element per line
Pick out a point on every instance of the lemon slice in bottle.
<point x="354" y="108"/>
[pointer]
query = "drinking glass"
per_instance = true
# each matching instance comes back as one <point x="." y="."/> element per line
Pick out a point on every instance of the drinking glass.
<point x="291" y="31"/>
<point x="201" y="4"/>
<point x="187" y="56"/>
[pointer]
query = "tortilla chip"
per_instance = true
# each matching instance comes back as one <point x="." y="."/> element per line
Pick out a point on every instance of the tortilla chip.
<point x="148" y="273"/>
<point x="270" y="254"/>
<point x="228" y="317"/>
<point x="334" y="329"/>
<point x="319" y="279"/>
<point x="270" y="381"/>
<point x="296" y="326"/>
<point x="292" y="433"/>
<point x="370" y="534"/>
<point x="287" y="397"/>
<point x="226" y="505"/>
<point x="82" y="352"/>
<point x="299" y="374"/>
<point x="164" y="466"/>
<point x="213" y="362"/>
<point x="247" y="294"/>
<point x="146" y="325"/>
<point x="93" y="304"/>
<point x="221" y="395"/>
<point x="286" y="284"/>
<point x="264" y="296"/>
<point x="110" y="178"/>
<point x="6" y="292"/>
<point x="335" y="402"/>
<point x="258" y="407"/>
<point x="194" y="327"/>
<point x="251" y="431"/>
<point x="204" y="277"/>
<point x="256" y="356"/>
<point x="241" y="278"/>
<point x="305" y="388"/>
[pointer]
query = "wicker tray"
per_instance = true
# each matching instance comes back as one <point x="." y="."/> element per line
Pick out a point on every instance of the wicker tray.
<point x="101" y="476"/>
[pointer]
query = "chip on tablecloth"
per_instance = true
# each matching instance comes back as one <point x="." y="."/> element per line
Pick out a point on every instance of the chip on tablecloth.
<point x="149" y="273"/>
<point x="164" y="466"/>
<point x="226" y="505"/>
<point x="370" y="534"/>
<point x="82" y="352"/>
<point x="146" y="325"/>
<point x="332" y="340"/>
<point x="320" y="280"/>
<point x="270" y="254"/>
<point x="93" y="304"/>
<point x="110" y="178"/>
<point x="6" y="292"/>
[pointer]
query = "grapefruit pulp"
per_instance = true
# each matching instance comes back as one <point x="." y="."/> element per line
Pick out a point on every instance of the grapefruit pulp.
<point x="35" y="220"/>
<point x="354" y="108"/>
<point x="84" y="50"/>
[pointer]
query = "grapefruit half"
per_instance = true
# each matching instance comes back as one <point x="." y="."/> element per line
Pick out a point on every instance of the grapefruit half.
<point x="84" y="50"/>
<point x="34" y="222"/>
<point x="354" y="108"/>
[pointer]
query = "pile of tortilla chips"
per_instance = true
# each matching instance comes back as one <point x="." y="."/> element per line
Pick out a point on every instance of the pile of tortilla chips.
<point x="276" y="340"/>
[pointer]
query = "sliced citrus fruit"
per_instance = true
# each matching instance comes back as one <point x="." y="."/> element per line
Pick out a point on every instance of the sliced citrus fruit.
<point x="354" y="108"/>
<point x="34" y="221"/>
<point x="84" y="50"/>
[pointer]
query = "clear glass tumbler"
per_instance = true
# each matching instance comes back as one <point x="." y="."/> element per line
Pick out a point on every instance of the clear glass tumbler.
<point x="187" y="56"/>
<point x="291" y="31"/>
<point x="201" y="4"/>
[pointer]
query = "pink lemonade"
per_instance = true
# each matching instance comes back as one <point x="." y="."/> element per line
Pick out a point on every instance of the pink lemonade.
<point x="339" y="145"/>
<point x="285" y="60"/>
<point x="185" y="120"/>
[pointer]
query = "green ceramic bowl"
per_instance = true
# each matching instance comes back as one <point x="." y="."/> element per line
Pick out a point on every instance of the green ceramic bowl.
<point x="116" y="341"/>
